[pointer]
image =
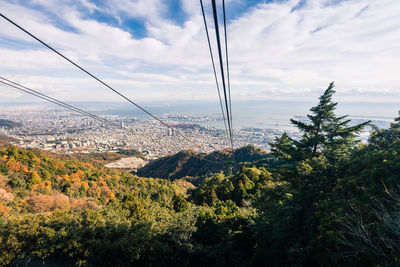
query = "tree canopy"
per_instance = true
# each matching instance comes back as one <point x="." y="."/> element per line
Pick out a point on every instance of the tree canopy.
<point x="322" y="199"/>
<point x="322" y="133"/>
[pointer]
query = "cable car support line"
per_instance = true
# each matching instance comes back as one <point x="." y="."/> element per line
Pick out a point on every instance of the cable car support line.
<point x="53" y="100"/>
<point x="227" y="64"/>
<point x="214" y="7"/>
<point x="213" y="65"/>
<point x="84" y="70"/>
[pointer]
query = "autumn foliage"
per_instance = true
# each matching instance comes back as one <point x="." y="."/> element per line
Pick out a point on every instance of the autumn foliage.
<point x="322" y="200"/>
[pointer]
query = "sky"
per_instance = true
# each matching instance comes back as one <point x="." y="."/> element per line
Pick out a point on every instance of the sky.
<point x="157" y="49"/>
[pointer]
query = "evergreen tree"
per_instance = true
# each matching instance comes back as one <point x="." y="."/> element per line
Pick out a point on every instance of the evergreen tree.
<point x="212" y="198"/>
<point x="230" y="186"/>
<point x="180" y="203"/>
<point x="386" y="138"/>
<point x="325" y="133"/>
<point x="240" y="193"/>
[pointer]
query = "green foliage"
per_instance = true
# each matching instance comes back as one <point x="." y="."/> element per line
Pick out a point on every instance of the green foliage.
<point x="321" y="200"/>
<point x="226" y="236"/>
<point x="180" y="203"/>
<point x="34" y="178"/>
<point x="241" y="187"/>
<point x="373" y="168"/>
<point x="326" y="177"/>
<point x="325" y="134"/>
<point x="283" y="147"/>
<point x="102" y="238"/>
<point x="133" y="221"/>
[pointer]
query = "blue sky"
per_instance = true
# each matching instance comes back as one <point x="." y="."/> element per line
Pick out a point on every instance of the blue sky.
<point x="157" y="49"/>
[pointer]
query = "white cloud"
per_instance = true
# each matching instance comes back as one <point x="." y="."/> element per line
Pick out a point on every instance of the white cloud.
<point x="149" y="10"/>
<point x="276" y="51"/>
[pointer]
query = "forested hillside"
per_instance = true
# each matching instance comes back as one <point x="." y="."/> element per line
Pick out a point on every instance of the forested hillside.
<point x="9" y="124"/>
<point x="324" y="199"/>
<point x="190" y="163"/>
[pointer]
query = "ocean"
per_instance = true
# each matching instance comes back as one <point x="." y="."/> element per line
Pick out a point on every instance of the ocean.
<point x="270" y="114"/>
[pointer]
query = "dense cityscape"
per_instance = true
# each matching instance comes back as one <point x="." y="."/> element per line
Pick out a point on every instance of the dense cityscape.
<point x="66" y="132"/>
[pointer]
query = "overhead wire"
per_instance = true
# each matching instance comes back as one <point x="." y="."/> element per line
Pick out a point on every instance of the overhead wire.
<point x="228" y="74"/>
<point x="227" y="63"/>
<point x="215" y="15"/>
<point x="70" y="107"/>
<point x="27" y="90"/>
<point x="97" y="79"/>
<point x="215" y="72"/>
<point x="86" y="71"/>
<point x="61" y="102"/>
<point x="92" y="75"/>
<point x="53" y="100"/>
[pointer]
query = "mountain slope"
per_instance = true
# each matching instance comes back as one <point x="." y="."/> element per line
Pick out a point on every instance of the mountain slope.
<point x="9" y="124"/>
<point x="40" y="181"/>
<point x="190" y="163"/>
